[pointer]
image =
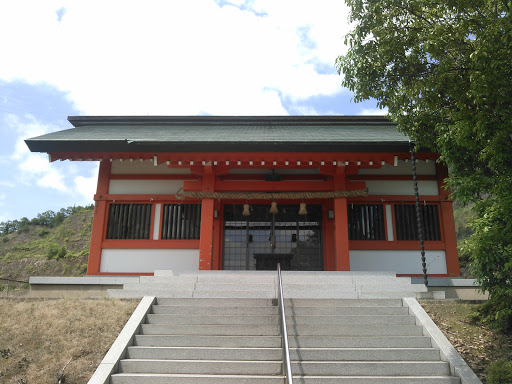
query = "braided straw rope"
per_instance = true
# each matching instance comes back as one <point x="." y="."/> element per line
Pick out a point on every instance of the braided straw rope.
<point x="270" y="195"/>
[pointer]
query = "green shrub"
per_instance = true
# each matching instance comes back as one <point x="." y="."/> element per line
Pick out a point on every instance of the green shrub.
<point x="499" y="372"/>
<point x="62" y="252"/>
<point x="55" y="252"/>
<point x="82" y="270"/>
<point x="5" y="239"/>
<point x="51" y="251"/>
<point x="43" y="232"/>
<point x="30" y="270"/>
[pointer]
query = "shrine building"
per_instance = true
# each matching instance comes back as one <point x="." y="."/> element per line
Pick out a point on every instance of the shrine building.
<point x="321" y="193"/>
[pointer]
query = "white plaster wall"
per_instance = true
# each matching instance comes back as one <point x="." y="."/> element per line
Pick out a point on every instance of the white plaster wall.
<point x="401" y="187"/>
<point x="156" y="222"/>
<point x="149" y="260"/>
<point x="146" y="167"/>
<point x="144" y="186"/>
<point x="407" y="262"/>
<point x="402" y="168"/>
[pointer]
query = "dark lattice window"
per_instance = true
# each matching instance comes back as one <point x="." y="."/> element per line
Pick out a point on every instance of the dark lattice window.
<point x="407" y="227"/>
<point x="181" y="221"/>
<point x="366" y="222"/>
<point x="129" y="221"/>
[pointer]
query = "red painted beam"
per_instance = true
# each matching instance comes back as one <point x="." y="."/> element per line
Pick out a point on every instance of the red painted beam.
<point x="99" y="220"/>
<point x="342" y="258"/>
<point x="206" y="241"/>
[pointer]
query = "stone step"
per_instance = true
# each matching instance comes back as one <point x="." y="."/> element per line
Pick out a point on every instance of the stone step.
<point x="220" y="302"/>
<point x="331" y="341"/>
<point x="375" y="380"/>
<point x="208" y="341"/>
<point x="212" y="311"/>
<point x="364" y="354"/>
<point x="262" y="293"/>
<point x="391" y="286"/>
<point x="324" y="368"/>
<point x="316" y="280"/>
<point x="142" y="378"/>
<point x="275" y="341"/>
<point x="321" y="294"/>
<point x="273" y="310"/>
<point x="137" y="294"/>
<point x="354" y="330"/>
<point x="342" y="311"/>
<point x="219" y="367"/>
<point x="205" y="353"/>
<point x="147" y="378"/>
<point x="234" y="330"/>
<point x="274" y="319"/>
<point x="291" y="303"/>
<point x="321" y="320"/>
<point x="330" y="274"/>
<point x="174" y="286"/>
<point x="372" y="368"/>
<point x="296" y="354"/>
<point x="385" y="295"/>
<point x="271" y="330"/>
<point x="211" y="319"/>
<point x="198" y="287"/>
<point x="237" y="279"/>
<point x="224" y="286"/>
<point x="168" y="279"/>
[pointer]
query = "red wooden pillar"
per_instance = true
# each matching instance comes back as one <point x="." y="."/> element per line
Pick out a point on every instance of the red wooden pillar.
<point x="450" y="239"/>
<point x="448" y="223"/>
<point x="206" y="240"/>
<point x="206" y="250"/>
<point x="99" y="219"/>
<point x="342" y="259"/>
<point x="217" y="239"/>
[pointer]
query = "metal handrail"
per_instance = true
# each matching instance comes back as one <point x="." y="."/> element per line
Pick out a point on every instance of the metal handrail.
<point x="287" y="366"/>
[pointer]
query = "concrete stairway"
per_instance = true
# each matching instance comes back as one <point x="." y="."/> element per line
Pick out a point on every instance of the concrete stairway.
<point x="206" y="341"/>
<point x="263" y="284"/>
<point x="360" y="341"/>
<point x="215" y="340"/>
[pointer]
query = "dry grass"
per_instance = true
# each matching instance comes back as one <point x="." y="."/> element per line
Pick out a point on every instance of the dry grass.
<point x="38" y="337"/>
<point x="478" y="345"/>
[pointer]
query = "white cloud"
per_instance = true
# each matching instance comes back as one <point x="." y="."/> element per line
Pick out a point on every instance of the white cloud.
<point x="34" y="169"/>
<point x="52" y="179"/>
<point x="7" y="184"/>
<point x="374" y="111"/>
<point x="86" y="186"/>
<point x="167" y="57"/>
<point x="25" y="127"/>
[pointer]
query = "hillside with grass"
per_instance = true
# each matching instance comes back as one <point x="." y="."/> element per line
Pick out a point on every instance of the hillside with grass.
<point x="51" y="244"/>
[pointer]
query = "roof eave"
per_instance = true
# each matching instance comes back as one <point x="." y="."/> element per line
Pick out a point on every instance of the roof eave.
<point x="79" y="121"/>
<point x="159" y="147"/>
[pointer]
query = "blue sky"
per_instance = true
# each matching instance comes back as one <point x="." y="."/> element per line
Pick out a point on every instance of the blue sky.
<point x="123" y="57"/>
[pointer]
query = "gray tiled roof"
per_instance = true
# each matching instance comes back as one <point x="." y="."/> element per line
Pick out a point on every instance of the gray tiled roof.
<point x="231" y="133"/>
<point x="337" y="133"/>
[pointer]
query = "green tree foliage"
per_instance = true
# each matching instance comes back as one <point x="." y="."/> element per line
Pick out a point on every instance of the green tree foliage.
<point x="45" y="219"/>
<point x="499" y="372"/>
<point x="444" y="71"/>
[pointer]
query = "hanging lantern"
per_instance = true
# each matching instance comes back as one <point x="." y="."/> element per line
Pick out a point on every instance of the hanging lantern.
<point x="302" y="210"/>
<point x="246" y="211"/>
<point x="273" y="208"/>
